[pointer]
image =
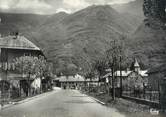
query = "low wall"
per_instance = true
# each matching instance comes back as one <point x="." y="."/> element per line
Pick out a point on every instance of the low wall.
<point x="163" y="95"/>
<point x="143" y="101"/>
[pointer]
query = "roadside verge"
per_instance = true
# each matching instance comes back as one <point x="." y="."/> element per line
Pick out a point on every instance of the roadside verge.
<point x="26" y="100"/>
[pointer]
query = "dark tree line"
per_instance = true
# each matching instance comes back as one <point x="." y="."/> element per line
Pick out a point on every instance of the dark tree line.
<point x="154" y="10"/>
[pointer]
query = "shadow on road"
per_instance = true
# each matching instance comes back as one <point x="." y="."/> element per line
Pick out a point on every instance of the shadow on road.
<point x="78" y="102"/>
<point x="79" y="96"/>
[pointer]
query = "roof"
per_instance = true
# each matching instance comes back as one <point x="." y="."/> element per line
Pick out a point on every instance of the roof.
<point x="117" y="73"/>
<point x="71" y="79"/>
<point x="107" y="75"/>
<point x="126" y="73"/>
<point x="108" y="70"/>
<point x="123" y="74"/>
<point x="92" y="80"/>
<point x="143" y="73"/>
<point x="17" y="42"/>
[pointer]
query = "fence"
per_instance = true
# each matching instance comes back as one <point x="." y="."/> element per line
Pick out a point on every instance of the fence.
<point x="145" y="93"/>
<point x="4" y="98"/>
<point x="13" y="94"/>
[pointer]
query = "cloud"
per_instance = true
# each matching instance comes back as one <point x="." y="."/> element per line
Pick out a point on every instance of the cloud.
<point x="34" y="4"/>
<point x="7" y="4"/>
<point x="50" y="6"/>
<point x="120" y="1"/>
<point x="26" y="6"/>
<point x="75" y="3"/>
<point x="102" y="2"/>
<point x="63" y="10"/>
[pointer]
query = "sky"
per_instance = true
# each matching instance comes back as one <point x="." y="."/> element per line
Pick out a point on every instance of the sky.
<point x="51" y="6"/>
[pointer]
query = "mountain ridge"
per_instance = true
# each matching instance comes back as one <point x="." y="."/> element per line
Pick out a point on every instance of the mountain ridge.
<point x="79" y="38"/>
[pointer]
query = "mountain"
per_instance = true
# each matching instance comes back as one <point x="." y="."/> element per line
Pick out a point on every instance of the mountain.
<point x="81" y="37"/>
<point x="133" y="11"/>
<point x="134" y="7"/>
<point x="149" y="45"/>
<point x="26" y="23"/>
<point x="19" y="22"/>
<point x="45" y="32"/>
<point x="71" y="39"/>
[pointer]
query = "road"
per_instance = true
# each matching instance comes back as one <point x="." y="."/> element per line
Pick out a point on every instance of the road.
<point x="62" y="103"/>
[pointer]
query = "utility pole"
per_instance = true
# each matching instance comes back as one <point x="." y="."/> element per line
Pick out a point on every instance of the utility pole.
<point x="113" y="70"/>
<point x="1" y="103"/>
<point x="120" y="67"/>
<point x="113" y="82"/>
<point x="120" y="64"/>
<point x="7" y="67"/>
<point x="113" y="64"/>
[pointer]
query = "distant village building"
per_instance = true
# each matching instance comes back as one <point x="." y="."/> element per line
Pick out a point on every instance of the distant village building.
<point x="73" y="82"/>
<point x="11" y="47"/>
<point x="134" y="77"/>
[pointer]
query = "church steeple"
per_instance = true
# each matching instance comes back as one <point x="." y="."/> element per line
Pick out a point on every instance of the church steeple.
<point x="136" y="66"/>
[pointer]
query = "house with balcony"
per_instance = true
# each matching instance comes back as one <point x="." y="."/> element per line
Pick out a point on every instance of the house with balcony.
<point x="12" y="47"/>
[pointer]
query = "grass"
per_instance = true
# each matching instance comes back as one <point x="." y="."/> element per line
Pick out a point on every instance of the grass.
<point x="126" y="107"/>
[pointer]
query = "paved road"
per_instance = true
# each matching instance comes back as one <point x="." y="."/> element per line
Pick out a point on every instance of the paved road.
<point x="64" y="103"/>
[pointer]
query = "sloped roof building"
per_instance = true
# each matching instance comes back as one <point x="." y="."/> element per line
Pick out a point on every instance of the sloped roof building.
<point x="17" y="42"/>
<point x="11" y="47"/>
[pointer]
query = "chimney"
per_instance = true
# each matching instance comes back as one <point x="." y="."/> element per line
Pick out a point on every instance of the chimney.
<point x="16" y="34"/>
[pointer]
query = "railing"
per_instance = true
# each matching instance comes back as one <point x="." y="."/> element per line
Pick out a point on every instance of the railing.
<point x="4" y="98"/>
<point x="146" y="94"/>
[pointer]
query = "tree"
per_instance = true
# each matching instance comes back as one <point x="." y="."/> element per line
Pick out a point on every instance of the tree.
<point x="154" y="11"/>
<point x="147" y="6"/>
<point x="99" y="66"/>
<point x="25" y="65"/>
<point x="40" y="67"/>
<point x="90" y="75"/>
<point x="112" y="55"/>
<point x="69" y="69"/>
<point x="30" y="66"/>
<point x="116" y="60"/>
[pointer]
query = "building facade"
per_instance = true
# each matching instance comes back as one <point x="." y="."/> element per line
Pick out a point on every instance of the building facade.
<point x="74" y="82"/>
<point x="71" y="82"/>
<point x="12" y="47"/>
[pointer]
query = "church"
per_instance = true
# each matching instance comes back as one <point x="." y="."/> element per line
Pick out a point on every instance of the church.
<point x="131" y="77"/>
<point x="136" y="77"/>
